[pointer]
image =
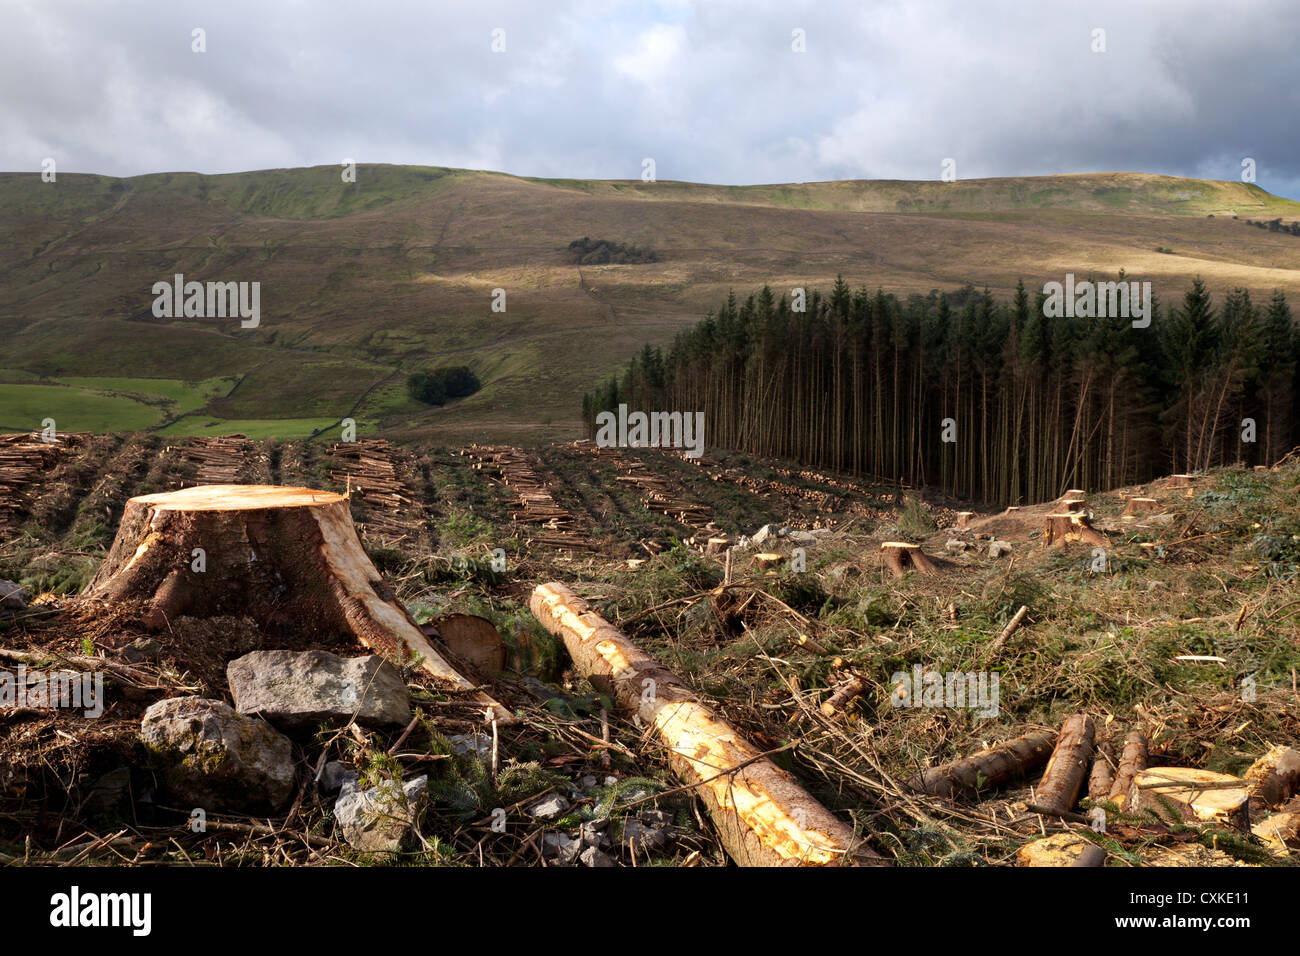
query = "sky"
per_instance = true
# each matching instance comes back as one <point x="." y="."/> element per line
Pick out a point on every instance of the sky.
<point x="711" y="91"/>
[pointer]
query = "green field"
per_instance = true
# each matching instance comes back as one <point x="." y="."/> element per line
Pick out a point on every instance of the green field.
<point x="257" y="428"/>
<point x="26" y="407"/>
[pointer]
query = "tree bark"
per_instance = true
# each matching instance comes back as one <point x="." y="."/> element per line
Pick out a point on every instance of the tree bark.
<point x="1059" y="788"/>
<point x="1132" y="761"/>
<point x="289" y="558"/>
<point x="989" y="769"/>
<point x="763" y="817"/>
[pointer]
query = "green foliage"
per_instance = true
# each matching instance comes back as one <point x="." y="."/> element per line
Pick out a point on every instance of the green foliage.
<point x="442" y="384"/>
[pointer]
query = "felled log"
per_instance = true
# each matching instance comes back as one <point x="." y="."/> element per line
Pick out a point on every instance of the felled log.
<point x="1059" y="788"/>
<point x="902" y="557"/>
<point x="1061" y="849"/>
<point x="1194" y="795"/>
<point x="289" y="558"/>
<point x="843" y="696"/>
<point x="763" y="817"/>
<point x="1273" y="778"/>
<point x="988" y="769"/>
<point x="1137" y="506"/>
<point x="1068" y="526"/>
<point x="1102" y="777"/>
<point x="1132" y="761"/>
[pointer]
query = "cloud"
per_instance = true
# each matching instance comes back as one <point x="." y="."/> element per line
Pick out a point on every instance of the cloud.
<point x="713" y="91"/>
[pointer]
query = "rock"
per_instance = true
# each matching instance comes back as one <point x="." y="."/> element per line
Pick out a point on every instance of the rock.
<point x="142" y="649"/>
<point x="588" y="782"/>
<point x="12" y="596"/>
<point x="998" y="549"/>
<point x="802" y="538"/>
<point x="334" y="776"/>
<point x="590" y="833"/>
<point x="548" y="808"/>
<point x="209" y="756"/>
<point x="593" y="857"/>
<point x="480" y="745"/>
<point x="637" y="836"/>
<point x="955" y="546"/>
<point x="561" y="847"/>
<point x="762" y="534"/>
<point x="380" y="819"/>
<point x="297" y="691"/>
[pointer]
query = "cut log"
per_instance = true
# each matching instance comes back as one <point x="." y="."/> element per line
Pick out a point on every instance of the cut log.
<point x="1280" y="832"/>
<point x="843" y="696"/>
<point x="902" y="557"/>
<point x="1063" y="778"/>
<point x="1199" y="796"/>
<point x="988" y="769"/>
<point x="1273" y="778"/>
<point x="1063" y="527"/>
<point x="1061" y="849"/>
<point x="763" y="817"/>
<point x="473" y="639"/>
<point x="1132" y="761"/>
<point x="1137" y="506"/>
<point x="1010" y="629"/>
<point x="1102" y="777"/>
<point x="289" y="558"/>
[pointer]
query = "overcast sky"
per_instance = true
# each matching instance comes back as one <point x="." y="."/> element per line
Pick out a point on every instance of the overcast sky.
<point x="712" y="91"/>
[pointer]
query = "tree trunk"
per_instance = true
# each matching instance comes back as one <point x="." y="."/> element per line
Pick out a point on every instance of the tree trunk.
<point x="988" y="769"/>
<point x="1132" y="761"/>
<point x="1059" y="788"/>
<point x="289" y="558"/>
<point x="763" y="817"/>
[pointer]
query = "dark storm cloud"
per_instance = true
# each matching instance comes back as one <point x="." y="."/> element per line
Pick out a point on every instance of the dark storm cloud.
<point x="711" y="91"/>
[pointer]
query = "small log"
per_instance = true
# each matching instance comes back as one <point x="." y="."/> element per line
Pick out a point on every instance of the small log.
<point x="843" y="696"/>
<point x="763" y="817"/>
<point x="1063" y="778"/>
<point x="1064" y="527"/>
<point x="1012" y="624"/>
<point x="1132" y="761"/>
<point x="988" y="769"/>
<point x="1102" y="777"/>
<point x="1200" y="796"/>
<point x="1273" y="778"/>
<point x="902" y="557"/>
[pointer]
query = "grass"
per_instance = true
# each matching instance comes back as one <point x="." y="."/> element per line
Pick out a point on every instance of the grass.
<point x="25" y="407"/>
<point x="256" y="428"/>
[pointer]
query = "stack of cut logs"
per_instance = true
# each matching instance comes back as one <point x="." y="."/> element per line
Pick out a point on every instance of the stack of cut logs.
<point x="25" y="460"/>
<point x="557" y="527"/>
<point x="657" y="492"/>
<point x="366" y="470"/>
<point x="220" y="460"/>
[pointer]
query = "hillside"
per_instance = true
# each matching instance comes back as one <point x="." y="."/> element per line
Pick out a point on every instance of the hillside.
<point x="363" y="283"/>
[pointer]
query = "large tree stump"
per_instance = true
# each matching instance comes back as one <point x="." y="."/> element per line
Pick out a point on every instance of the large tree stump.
<point x="763" y="816"/>
<point x="1137" y="506"/>
<point x="902" y="557"/>
<point x="289" y="558"/>
<point x="1070" y="526"/>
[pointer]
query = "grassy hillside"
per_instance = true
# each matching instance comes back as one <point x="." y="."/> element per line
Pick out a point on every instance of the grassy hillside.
<point x="363" y="283"/>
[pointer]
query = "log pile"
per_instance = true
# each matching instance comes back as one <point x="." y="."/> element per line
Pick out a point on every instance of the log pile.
<point x="657" y="493"/>
<point x="554" y="525"/>
<point x="25" y="461"/>
<point x="366" y="469"/>
<point x="220" y="461"/>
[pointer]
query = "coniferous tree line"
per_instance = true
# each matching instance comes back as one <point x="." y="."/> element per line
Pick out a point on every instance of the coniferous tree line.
<point x="866" y="382"/>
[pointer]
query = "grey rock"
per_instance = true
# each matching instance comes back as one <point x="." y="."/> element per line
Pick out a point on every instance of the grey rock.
<point x="335" y="775"/>
<point x="998" y="549"/>
<point x="637" y="836"/>
<point x="12" y="596"/>
<point x="803" y="538"/>
<point x="480" y="745"/>
<point x="590" y="833"/>
<point x="142" y="649"/>
<point x="587" y="782"/>
<point x="593" y="857"/>
<point x="382" y="818"/>
<point x="562" y="847"/>
<point x="955" y="546"/>
<point x="762" y="534"/>
<point x="548" y="808"/>
<point x="209" y="756"/>
<point x="298" y="690"/>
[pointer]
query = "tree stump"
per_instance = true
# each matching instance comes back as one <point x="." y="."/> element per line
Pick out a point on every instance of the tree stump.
<point x="765" y="560"/>
<point x="1074" y="505"/>
<point x="902" y="557"/>
<point x="963" y="519"/>
<point x="289" y="558"/>
<point x="717" y="545"/>
<point x="1070" y="526"/>
<point x="1137" y="506"/>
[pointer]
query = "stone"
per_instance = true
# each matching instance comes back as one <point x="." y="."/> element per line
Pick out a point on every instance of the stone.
<point x="335" y="775"/>
<point x="998" y="549"/>
<point x="12" y="596"/>
<point x="548" y="808"/>
<point x="478" y="744"/>
<point x="637" y="836"/>
<point x="762" y="534"/>
<point x="955" y="546"/>
<point x="299" y="690"/>
<point x="142" y="649"/>
<point x="593" y="857"/>
<point x="211" y="757"/>
<point x="802" y="538"/>
<point x="561" y="847"/>
<point x="382" y="818"/>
